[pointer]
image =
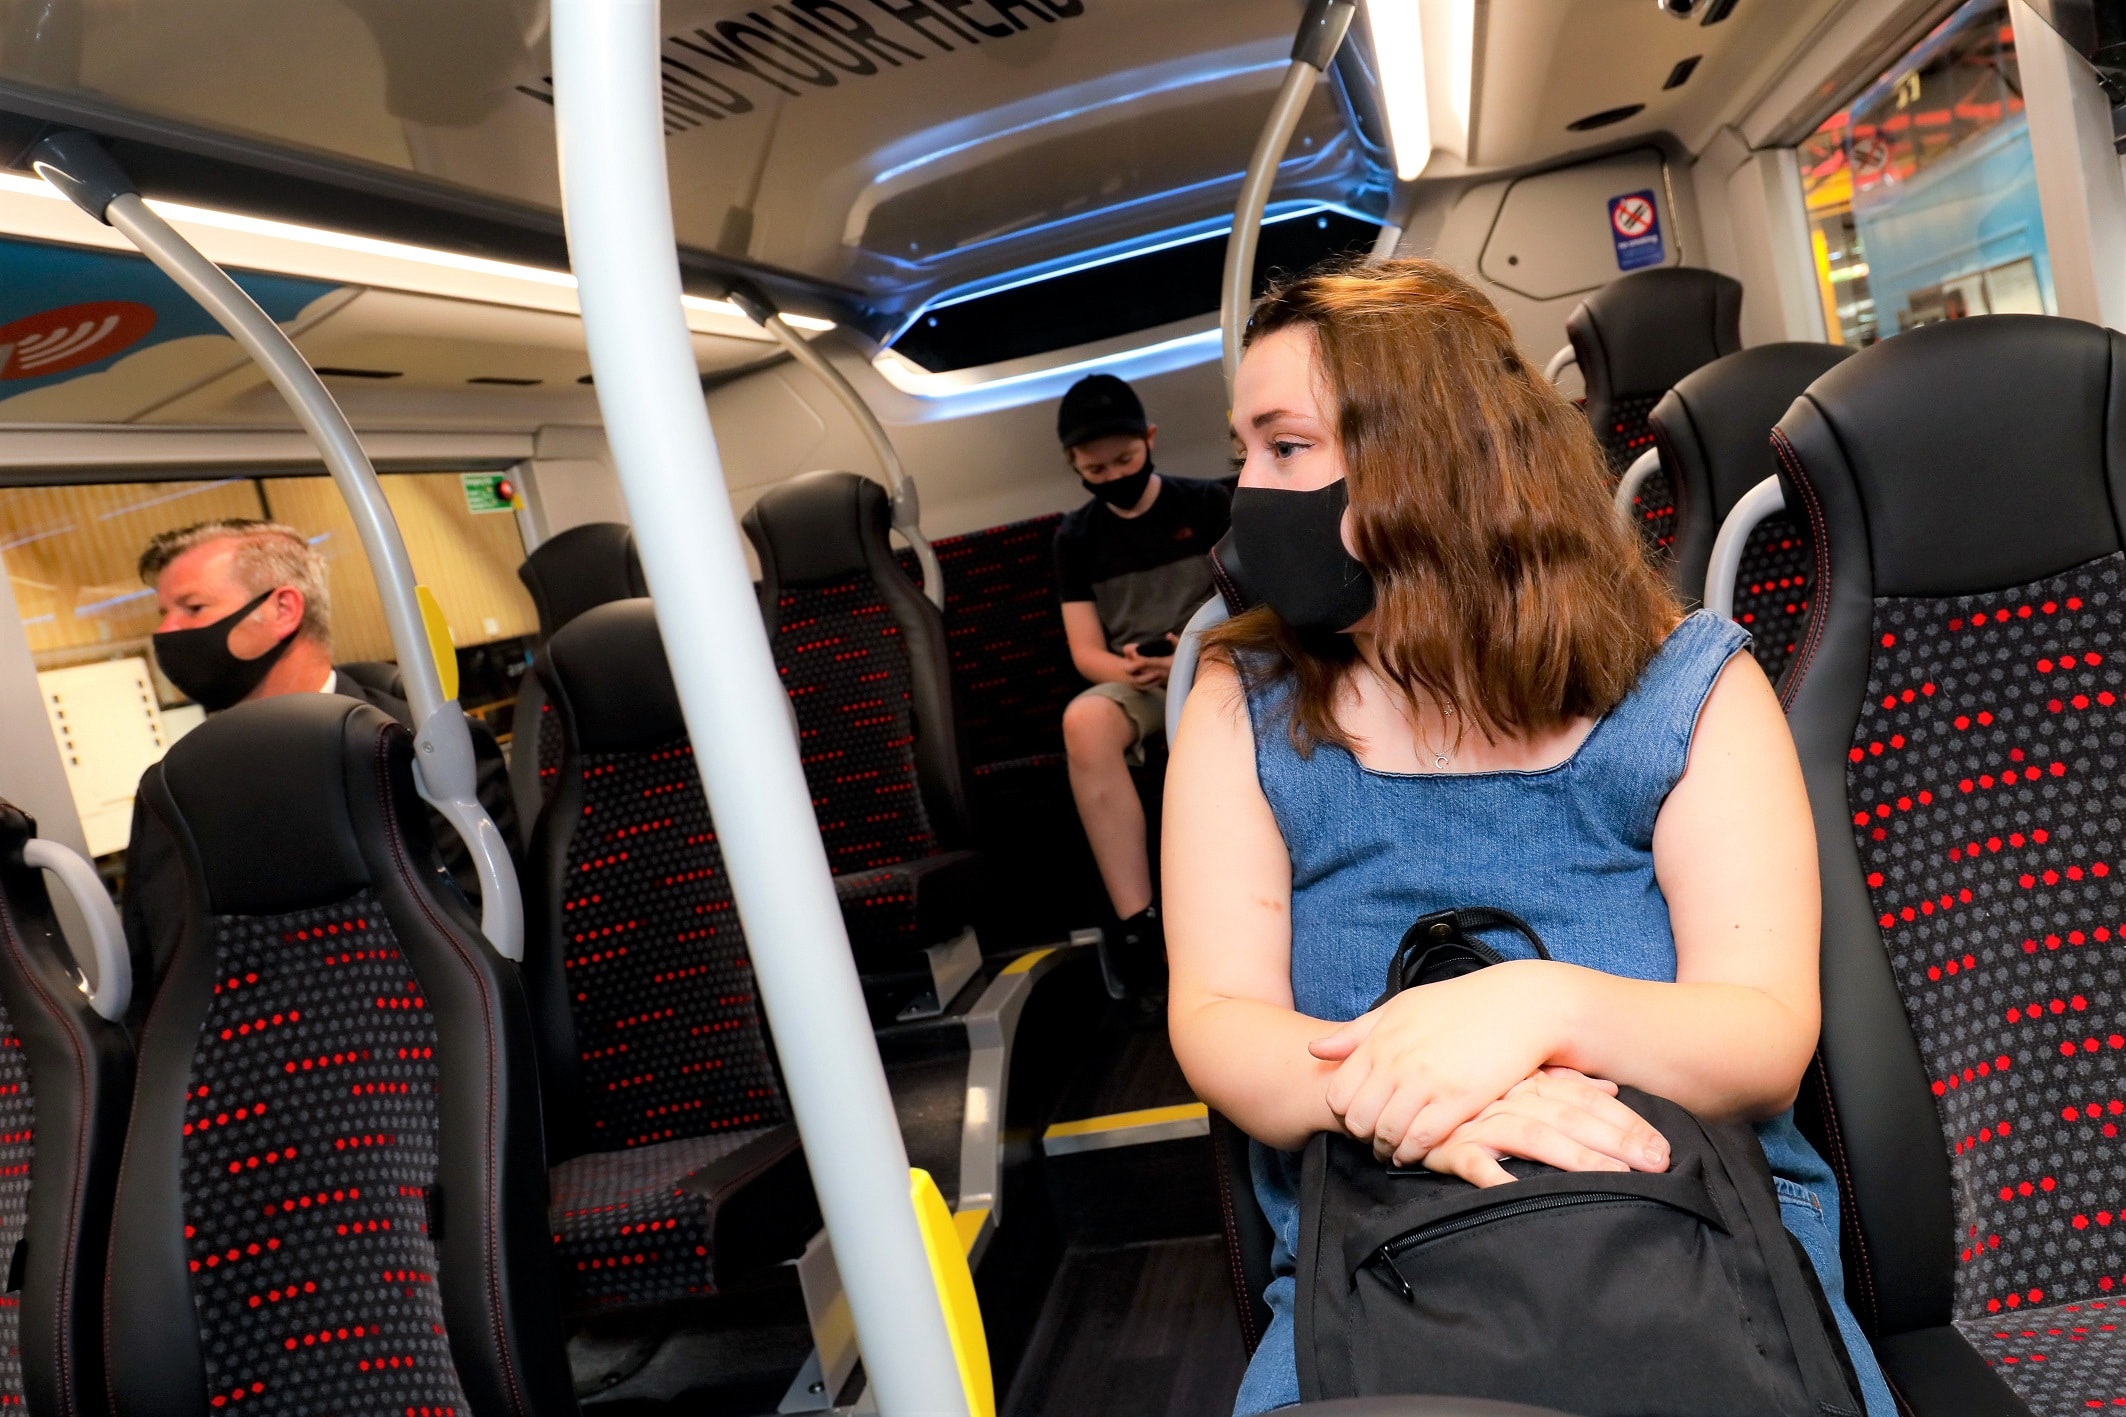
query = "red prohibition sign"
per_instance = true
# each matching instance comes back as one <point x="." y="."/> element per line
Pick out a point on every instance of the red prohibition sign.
<point x="1632" y="216"/>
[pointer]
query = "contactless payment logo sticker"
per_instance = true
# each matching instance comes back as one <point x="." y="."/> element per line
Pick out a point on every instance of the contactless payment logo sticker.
<point x="1635" y="227"/>
<point x="54" y="341"/>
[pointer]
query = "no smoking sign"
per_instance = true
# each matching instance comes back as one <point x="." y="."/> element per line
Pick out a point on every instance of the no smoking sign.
<point x="1635" y="227"/>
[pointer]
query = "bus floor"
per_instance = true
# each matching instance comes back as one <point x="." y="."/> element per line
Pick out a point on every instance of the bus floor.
<point x="1138" y="1317"/>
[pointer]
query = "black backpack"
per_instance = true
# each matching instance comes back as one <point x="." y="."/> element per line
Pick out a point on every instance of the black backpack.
<point x="1607" y="1294"/>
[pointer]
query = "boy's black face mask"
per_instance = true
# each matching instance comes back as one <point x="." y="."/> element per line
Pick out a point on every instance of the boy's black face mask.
<point x="1123" y="492"/>
<point x="200" y="663"/>
<point x="1293" y="548"/>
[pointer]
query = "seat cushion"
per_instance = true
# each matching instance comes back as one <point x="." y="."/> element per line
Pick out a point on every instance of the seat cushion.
<point x="909" y="905"/>
<point x="2059" y="1358"/>
<point x="639" y="1227"/>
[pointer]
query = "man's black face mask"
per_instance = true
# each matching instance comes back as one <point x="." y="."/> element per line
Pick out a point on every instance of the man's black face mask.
<point x="1293" y="547"/>
<point x="1124" y="492"/>
<point x="200" y="663"/>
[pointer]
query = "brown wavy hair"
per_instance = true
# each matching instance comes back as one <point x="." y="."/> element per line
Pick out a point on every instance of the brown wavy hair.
<point x="1505" y="585"/>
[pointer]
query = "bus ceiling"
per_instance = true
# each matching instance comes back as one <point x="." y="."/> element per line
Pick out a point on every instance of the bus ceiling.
<point x="876" y="163"/>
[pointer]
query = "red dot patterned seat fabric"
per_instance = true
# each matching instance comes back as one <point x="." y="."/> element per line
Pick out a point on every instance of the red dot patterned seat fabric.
<point x="1983" y="785"/>
<point x="674" y="1062"/>
<point x="1004" y="626"/>
<point x="846" y="670"/>
<point x="1627" y="435"/>
<point x="1772" y="584"/>
<point x="309" y="1169"/>
<point x="18" y="1143"/>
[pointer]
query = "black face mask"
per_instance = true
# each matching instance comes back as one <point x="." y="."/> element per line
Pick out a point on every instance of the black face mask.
<point x="1123" y="492"/>
<point x="199" y="662"/>
<point x="1293" y="548"/>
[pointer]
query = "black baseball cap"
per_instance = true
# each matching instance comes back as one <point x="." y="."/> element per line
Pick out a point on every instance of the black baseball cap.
<point x="1097" y="405"/>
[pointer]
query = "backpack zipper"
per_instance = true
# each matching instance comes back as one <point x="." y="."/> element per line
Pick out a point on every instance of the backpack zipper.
<point x="1382" y="1260"/>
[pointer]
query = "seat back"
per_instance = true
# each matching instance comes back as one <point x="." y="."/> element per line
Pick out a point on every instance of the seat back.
<point x="333" y="1187"/>
<point x="1633" y="339"/>
<point x="1714" y="430"/>
<point x="585" y="566"/>
<point x="567" y="574"/>
<point x="642" y="985"/>
<point x="66" y="1076"/>
<point x="1955" y="698"/>
<point x="863" y="657"/>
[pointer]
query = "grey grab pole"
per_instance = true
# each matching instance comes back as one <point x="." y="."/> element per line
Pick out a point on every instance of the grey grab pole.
<point x="1321" y="33"/>
<point x="907" y="507"/>
<point x="77" y="165"/>
<point x="615" y="198"/>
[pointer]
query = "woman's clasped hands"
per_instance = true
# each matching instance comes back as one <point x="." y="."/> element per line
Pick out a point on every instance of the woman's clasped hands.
<point x="1458" y="1074"/>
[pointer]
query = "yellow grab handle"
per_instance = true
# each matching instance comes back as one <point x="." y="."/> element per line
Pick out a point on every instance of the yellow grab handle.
<point x="955" y="1286"/>
<point x="439" y="643"/>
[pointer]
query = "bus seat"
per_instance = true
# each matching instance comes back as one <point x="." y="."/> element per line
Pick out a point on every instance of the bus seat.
<point x="864" y="658"/>
<point x="1714" y="433"/>
<point x="575" y="570"/>
<point x="567" y="574"/>
<point x="663" y="1102"/>
<point x="1955" y="702"/>
<point x="66" y="1077"/>
<point x="1634" y="338"/>
<point x="332" y="1183"/>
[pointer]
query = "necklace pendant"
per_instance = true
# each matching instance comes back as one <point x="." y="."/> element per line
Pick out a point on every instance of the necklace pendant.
<point x="1440" y="760"/>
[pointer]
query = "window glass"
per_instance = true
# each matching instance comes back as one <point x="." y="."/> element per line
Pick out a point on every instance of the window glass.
<point x="70" y="554"/>
<point x="1922" y="199"/>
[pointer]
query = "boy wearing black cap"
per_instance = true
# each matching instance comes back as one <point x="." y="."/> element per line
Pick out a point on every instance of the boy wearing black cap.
<point x="1132" y="565"/>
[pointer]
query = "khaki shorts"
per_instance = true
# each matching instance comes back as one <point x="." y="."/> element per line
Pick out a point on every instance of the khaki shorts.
<point x="1144" y="708"/>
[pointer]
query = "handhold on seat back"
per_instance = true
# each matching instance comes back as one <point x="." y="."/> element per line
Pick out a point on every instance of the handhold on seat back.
<point x="1634" y="338"/>
<point x="65" y="1080"/>
<point x="1714" y="429"/>
<point x="336" y="1123"/>
<point x="1954" y="704"/>
<point x="586" y="565"/>
<point x="864" y="658"/>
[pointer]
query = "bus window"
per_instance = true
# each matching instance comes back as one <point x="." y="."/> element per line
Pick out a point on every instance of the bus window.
<point x="1921" y="193"/>
<point x="70" y="554"/>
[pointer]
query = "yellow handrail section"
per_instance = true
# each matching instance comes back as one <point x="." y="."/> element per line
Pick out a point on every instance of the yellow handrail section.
<point x="955" y="1287"/>
<point x="439" y="641"/>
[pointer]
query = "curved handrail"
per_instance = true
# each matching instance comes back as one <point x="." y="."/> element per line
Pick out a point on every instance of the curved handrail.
<point x="616" y="198"/>
<point x="1761" y="501"/>
<point x="907" y="506"/>
<point x="445" y="770"/>
<point x="1561" y="361"/>
<point x="1321" y="33"/>
<point x="114" y="967"/>
<point x="1643" y="466"/>
<point x="1188" y="653"/>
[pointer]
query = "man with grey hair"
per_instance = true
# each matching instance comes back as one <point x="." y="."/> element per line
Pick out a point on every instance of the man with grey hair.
<point x="246" y="611"/>
<point x="247" y="614"/>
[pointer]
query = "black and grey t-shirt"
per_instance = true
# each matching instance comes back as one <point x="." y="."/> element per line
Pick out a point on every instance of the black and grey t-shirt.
<point x="1145" y="574"/>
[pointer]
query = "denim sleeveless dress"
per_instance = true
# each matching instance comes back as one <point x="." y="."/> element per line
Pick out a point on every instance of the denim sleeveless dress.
<point x="1567" y="848"/>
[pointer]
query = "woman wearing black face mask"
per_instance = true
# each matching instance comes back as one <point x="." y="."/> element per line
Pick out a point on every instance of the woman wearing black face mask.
<point x="1468" y="688"/>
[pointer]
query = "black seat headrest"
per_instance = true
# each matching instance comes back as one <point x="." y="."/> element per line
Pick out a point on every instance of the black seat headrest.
<point x="264" y="793"/>
<point x="1717" y="420"/>
<point x="607" y="667"/>
<point x="1986" y="452"/>
<point x="1641" y="333"/>
<point x="1231" y="577"/>
<point x="820" y="528"/>
<point x="588" y="565"/>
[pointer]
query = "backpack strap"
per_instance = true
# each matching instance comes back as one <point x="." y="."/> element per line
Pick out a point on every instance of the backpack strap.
<point x="1823" y="1375"/>
<point x="1443" y="945"/>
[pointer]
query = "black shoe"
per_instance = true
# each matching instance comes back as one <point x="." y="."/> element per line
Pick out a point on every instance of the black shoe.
<point x="1133" y="956"/>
